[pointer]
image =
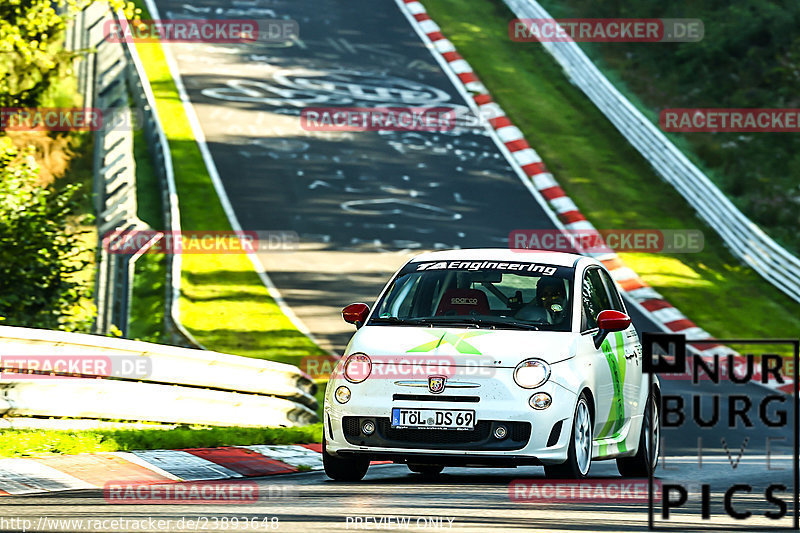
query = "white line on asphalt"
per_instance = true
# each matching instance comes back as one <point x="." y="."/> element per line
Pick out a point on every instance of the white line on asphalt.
<point x="219" y="187"/>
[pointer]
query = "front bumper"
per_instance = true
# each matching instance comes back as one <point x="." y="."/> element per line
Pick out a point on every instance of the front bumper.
<point x="533" y="437"/>
<point x="447" y="459"/>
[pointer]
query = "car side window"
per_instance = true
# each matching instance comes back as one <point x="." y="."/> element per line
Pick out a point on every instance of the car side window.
<point x="595" y="299"/>
<point x="616" y="300"/>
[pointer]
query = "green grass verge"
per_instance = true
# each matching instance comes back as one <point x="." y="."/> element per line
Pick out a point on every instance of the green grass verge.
<point x="27" y="442"/>
<point x="609" y="181"/>
<point x="149" y="282"/>
<point x="223" y="302"/>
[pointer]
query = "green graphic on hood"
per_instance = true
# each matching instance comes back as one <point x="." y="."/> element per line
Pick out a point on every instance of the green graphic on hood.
<point x="616" y="364"/>
<point x="457" y="340"/>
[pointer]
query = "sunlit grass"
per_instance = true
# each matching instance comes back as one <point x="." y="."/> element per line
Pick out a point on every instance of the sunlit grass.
<point x="28" y="442"/>
<point x="608" y="180"/>
<point x="223" y="302"/>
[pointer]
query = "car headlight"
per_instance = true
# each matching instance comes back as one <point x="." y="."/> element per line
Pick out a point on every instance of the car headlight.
<point x="342" y="394"/>
<point x="357" y="368"/>
<point x="531" y="373"/>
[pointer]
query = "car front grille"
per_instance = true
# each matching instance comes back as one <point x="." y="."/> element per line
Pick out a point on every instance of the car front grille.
<point x="481" y="438"/>
<point x="351" y="426"/>
<point x="429" y="398"/>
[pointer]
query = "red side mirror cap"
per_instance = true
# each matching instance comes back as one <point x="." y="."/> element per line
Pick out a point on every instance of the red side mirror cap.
<point x="613" y="320"/>
<point x="356" y="314"/>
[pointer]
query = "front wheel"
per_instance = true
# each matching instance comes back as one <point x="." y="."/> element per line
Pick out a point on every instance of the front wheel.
<point x="644" y="462"/>
<point x="579" y="454"/>
<point x="343" y="468"/>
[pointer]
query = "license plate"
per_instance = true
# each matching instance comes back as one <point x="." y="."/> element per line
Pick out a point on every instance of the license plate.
<point x="432" y="418"/>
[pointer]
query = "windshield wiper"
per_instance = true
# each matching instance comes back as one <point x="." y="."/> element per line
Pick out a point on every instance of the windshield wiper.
<point x="482" y="322"/>
<point x="523" y="325"/>
<point x="395" y="320"/>
<point x="471" y="321"/>
<point x="468" y="320"/>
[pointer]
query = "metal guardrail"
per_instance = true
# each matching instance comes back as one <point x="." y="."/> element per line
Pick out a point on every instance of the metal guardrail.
<point x="179" y="385"/>
<point x="121" y="400"/>
<point x="101" y="79"/>
<point x="107" y="74"/>
<point x="742" y="236"/>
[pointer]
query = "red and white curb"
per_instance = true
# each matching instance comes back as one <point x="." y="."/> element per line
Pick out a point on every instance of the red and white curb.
<point x="95" y="470"/>
<point x="526" y="158"/>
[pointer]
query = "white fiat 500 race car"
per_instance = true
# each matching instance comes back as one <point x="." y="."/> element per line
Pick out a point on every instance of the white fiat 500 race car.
<point x="492" y="357"/>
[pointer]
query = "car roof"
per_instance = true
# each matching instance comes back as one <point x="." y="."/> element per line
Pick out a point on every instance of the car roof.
<point x="501" y="254"/>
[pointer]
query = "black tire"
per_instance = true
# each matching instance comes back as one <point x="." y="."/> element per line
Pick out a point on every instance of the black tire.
<point x="639" y="465"/>
<point x="343" y="468"/>
<point x="426" y="470"/>
<point x="578" y="463"/>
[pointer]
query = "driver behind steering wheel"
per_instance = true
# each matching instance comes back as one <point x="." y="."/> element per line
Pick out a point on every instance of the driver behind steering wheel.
<point x="549" y="304"/>
<point x="551" y="295"/>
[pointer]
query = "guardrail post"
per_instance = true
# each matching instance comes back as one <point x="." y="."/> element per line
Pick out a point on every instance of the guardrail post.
<point x="102" y="80"/>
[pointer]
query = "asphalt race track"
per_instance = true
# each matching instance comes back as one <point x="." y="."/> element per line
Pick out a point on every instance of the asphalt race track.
<point x="474" y="500"/>
<point x="361" y="203"/>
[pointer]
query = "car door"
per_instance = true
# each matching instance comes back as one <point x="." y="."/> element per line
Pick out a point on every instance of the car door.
<point x="610" y="368"/>
<point x="628" y="346"/>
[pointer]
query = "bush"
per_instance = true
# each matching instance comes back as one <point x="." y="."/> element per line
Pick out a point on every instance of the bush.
<point x="38" y="254"/>
<point x="32" y="54"/>
<point x="30" y="50"/>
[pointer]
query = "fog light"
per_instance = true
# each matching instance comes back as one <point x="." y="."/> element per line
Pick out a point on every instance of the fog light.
<point x="500" y="432"/>
<point x="342" y="394"/>
<point x="540" y="400"/>
<point x="368" y="427"/>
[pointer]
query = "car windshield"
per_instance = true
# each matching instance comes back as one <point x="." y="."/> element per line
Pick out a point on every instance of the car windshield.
<point x="485" y="293"/>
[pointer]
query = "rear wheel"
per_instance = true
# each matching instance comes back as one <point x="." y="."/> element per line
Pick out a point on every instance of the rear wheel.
<point x="426" y="470"/>
<point x="646" y="458"/>
<point x="344" y="468"/>
<point x="579" y="454"/>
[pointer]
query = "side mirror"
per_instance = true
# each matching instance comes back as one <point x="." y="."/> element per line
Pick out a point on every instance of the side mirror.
<point x="609" y="321"/>
<point x="355" y="314"/>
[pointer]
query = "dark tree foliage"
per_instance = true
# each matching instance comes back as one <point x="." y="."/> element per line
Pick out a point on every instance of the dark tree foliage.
<point x="38" y="253"/>
<point x="38" y="256"/>
<point x="31" y="54"/>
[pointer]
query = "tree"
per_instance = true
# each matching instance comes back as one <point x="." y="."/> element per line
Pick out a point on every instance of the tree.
<point x="38" y="256"/>
<point x="32" y="54"/>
